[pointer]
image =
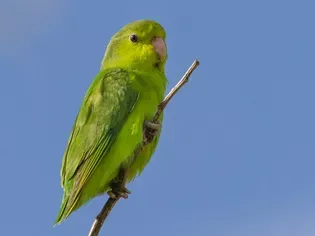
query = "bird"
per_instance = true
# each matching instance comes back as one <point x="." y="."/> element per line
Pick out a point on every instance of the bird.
<point x="120" y="102"/>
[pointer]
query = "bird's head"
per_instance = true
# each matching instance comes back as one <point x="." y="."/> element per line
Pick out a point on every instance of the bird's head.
<point x="140" y="44"/>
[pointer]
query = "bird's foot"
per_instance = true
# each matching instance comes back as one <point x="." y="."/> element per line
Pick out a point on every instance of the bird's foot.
<point x="117" y="192"/>
<point x="152" y="129"/>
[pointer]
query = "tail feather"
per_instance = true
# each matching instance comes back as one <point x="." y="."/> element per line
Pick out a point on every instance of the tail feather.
<point x="62" y="212"/>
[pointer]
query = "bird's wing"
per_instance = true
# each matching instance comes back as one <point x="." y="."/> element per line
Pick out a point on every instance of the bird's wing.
<point x="105" y="108"/>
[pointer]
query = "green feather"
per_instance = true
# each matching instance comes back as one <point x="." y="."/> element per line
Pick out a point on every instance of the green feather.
<point x="106" y="106"/>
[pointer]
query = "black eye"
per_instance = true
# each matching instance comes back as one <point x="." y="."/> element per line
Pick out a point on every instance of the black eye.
<point x="133" y="38"/>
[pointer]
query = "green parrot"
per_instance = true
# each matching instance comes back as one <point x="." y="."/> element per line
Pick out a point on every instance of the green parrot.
<point x="121" y="100"/>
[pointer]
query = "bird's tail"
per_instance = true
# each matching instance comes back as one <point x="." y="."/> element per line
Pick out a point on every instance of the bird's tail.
<point x="62" y="212"/>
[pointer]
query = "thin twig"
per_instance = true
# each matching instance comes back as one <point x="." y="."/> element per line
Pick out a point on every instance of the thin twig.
<point x="111" y="202"/>
<point x="100" y="218"/>
<point x="174" y="90"/>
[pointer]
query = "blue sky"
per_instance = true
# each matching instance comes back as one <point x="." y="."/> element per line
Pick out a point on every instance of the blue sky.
<point x="237" y="153"/>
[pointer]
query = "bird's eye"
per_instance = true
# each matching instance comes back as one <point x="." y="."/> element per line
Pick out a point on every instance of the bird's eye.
<point x="133" y="38"/>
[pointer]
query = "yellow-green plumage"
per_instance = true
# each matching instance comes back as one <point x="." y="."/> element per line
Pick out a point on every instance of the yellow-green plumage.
<point x="109" y="126"/>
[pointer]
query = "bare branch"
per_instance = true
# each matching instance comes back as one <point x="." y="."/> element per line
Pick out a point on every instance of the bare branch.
<point x="174" y="90"/>
<point x="111" y="202"/>
<point x="100" y="218"/>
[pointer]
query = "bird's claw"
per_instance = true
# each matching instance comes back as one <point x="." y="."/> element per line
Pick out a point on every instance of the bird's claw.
<point x="153" y="126"/>
<point x="122" y="192"/>
<point x="152" y="129"/>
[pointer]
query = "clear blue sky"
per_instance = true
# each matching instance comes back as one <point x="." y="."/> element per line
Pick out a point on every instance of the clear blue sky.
<point x="237" y="153"/>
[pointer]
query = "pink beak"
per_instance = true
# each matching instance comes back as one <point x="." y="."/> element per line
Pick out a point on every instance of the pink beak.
<point x="160" y="47"/>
